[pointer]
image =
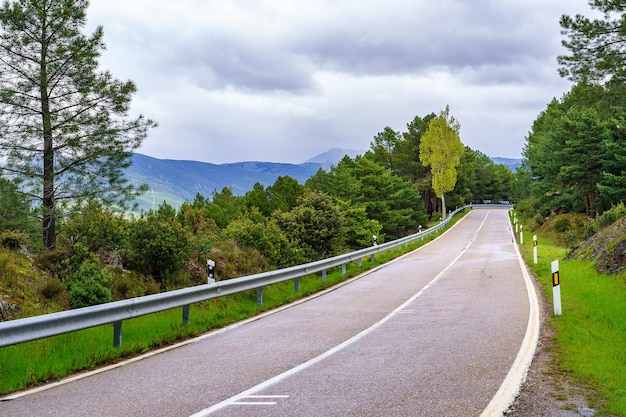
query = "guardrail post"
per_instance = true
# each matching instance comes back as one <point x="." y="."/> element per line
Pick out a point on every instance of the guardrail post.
<point x="296" y="284"/>
<point x="324" y="275"/>
<point x="360" y="262"/>
<point x="117" y="334"/>
<point x="372" y="257"/>
<point x="259" y="296"/>
<point x="186" y="314"/>
<point x="343" y="269"/>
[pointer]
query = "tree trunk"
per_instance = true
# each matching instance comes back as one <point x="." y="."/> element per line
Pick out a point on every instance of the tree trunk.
<point x="49" y="220"/>
<point x="443" y="206"/>
<point x="49" y="224"/>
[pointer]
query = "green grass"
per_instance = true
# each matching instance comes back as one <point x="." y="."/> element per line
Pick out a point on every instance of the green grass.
<point x="50" y="359"/>
<point x="591" y="332"/>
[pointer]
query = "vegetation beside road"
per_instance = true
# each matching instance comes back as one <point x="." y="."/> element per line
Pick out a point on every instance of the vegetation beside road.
<point x="50" y="359"/>
<point x="591" y="333"/>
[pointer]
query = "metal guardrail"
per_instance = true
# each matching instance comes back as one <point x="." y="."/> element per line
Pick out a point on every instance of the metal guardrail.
<point x="38" y="327"/>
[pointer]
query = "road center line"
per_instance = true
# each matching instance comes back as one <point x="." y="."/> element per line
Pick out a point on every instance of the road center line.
<point x="265" y="384"/>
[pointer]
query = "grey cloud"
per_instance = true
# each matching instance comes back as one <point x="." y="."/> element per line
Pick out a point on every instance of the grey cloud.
<point x="281" y="81"/>
<point x="477" y="36"/>
<point x="252" y="66"/>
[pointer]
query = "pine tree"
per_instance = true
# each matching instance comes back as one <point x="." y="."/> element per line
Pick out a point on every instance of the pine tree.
<point x="65" y="134"/>
<point x="597" y="46"/>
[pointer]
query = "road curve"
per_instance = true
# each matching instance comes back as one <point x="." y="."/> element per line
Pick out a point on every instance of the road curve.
<point x="434" y="333"/>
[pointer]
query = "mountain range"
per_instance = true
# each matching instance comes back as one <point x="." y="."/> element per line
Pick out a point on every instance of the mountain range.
<point x="511" y="163"/>
<point x="176" y="181"/>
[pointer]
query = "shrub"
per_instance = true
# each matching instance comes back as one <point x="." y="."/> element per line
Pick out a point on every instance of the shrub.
<point x="266" y="237"/>
<point x="129" y="284"/>
<point x="90" y="287"/>
<point x="97" y="228"/>
<point x="562" y="225"/>
<point x="71" y="264"/>
<point x="13" y="240"/>
<point x="611" y="216"/>
<point x="316" y="223"/>
<point x="435" y="216"/>
<point x="571" y="238"/>
<point x="605" y="219"/>
<point x="159" y="246"/>
<point x="232" y="261"/>
<point x="51" y="288"/>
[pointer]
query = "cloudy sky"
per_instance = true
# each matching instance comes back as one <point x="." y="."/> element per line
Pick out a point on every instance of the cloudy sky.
<point x="285" y="80"/>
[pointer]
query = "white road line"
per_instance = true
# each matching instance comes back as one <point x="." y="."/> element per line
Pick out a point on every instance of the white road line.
<point x="268" y="396"/>
<point x="265" y="384"/>
<point x="513" y="381"/>
<point x="260" y="397"/>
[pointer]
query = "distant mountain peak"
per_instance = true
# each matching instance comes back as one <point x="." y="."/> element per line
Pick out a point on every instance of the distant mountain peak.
<point x="333" y="156"/>
<point x="511" y="163"/>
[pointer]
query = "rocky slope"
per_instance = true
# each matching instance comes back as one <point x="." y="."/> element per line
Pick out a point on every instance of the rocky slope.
<point x="607" y="248"/>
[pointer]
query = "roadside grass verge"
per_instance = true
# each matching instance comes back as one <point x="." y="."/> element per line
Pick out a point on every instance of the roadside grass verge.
<point x="591" y="332"/>
<point x="50" y="359"/>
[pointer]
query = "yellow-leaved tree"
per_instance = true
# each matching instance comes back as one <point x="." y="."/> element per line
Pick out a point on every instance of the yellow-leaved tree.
<point x="441" y="149"/>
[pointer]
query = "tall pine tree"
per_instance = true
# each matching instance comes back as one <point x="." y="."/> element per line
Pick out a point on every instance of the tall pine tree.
<point x="65" y="134"/>
<point x="597" y="46"/>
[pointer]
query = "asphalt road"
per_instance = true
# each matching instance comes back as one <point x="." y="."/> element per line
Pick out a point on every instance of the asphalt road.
<point x="432" y="334"/>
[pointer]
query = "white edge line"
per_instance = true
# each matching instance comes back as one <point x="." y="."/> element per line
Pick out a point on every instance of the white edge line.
<point x="265" y="384"/>
<point x="512" y="384"/>
<point x="88" y="374"/>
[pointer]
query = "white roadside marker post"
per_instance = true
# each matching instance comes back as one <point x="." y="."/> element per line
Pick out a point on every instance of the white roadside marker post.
<point x="535" y="249"/>
<point x="210" y="271"/>
<point x="521" y="234"/>
<point x="556" y="288"/>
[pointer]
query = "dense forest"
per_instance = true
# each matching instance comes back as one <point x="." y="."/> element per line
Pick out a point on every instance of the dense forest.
<point x="575" y="153"/>
<point x="575" y="159"/>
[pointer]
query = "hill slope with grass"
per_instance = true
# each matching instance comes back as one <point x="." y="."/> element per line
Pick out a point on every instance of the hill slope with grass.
<point x="24" y="290"/>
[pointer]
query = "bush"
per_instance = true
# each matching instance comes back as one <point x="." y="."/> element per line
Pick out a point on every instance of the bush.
<point x="266" y="237"/>
<point x="316" y="223"/>
<point x="159" y="246"/>
<point x="69" y="266"/>
<point x="13" y="240"/>
<point x="611" y="216"/>
<point x="562" y="225"/>
<point x="129" y="284"/>
<point x="51" y="288"/>
<point x="435" y="216"/>
<point x="571" y="238"/>
<point x="97" y="228"/>
<point x="90" y="287"/>
<point x="605" y="219"/>
<point x="232" y="261"/>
